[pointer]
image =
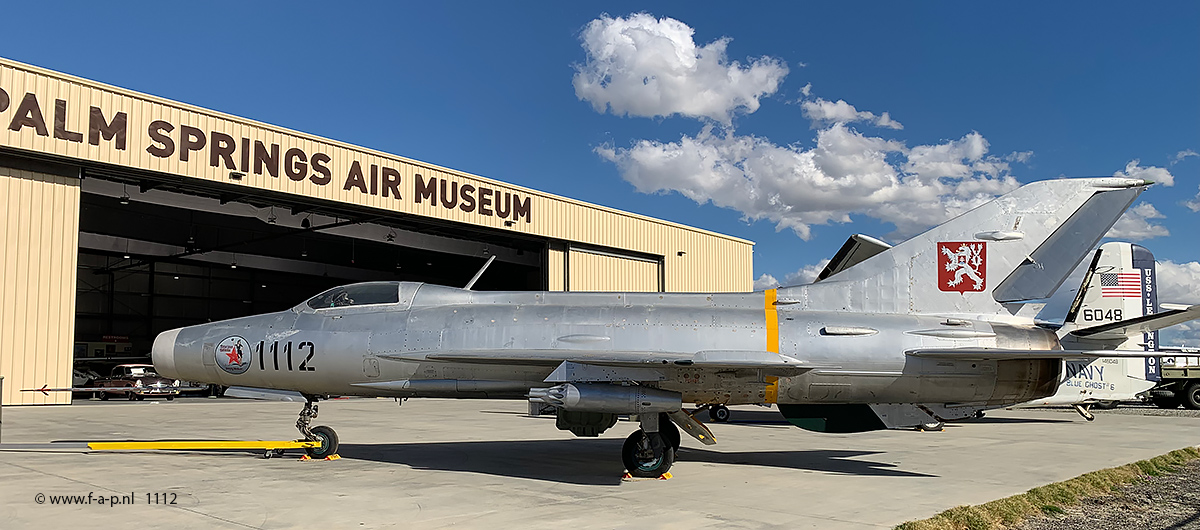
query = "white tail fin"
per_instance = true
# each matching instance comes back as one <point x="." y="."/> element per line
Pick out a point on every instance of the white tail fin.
<point x="1114" y="306"/>
<point x="1017" y="248"/>
<point x="1119" y="285"/>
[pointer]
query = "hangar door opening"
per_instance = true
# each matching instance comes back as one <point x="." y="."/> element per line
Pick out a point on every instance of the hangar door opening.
<point x="155" y="256"/>
<point x="590" y="269"/>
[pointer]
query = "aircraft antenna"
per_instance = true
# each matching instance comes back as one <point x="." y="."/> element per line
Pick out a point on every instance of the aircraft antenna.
<point x="474" y="279"/>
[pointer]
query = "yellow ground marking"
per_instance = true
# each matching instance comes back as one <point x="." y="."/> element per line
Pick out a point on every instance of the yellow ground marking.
<point x="202" y="445"/>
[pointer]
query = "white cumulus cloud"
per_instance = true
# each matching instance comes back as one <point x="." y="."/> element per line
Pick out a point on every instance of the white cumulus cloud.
<point x="1179" y="283"/>
<point x="845" y="173"/>
<point x="1157" y="174"/>
<point x="764" y="282"/>
<point x="643" y="66"/>
<point x="1136" y="224"/>
<point x="823" y="112"/>
<point x="1180" y="156"/>
<point x="1194" y="204"/>
<point x="803" y="275"/>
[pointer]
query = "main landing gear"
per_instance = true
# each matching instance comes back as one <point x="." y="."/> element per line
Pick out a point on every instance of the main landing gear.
<point x="1085" y="410"/>
<point x="718" y="413"/>
<point x="650" y="451"/>
<point x="320" y="433"/>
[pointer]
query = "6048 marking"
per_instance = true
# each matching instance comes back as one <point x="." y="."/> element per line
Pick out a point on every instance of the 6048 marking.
<point x="287" y="353"/>
<point x="1100" y="315"/>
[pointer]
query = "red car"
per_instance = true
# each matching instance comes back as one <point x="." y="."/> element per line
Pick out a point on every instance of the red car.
<point x="135" y="381"/>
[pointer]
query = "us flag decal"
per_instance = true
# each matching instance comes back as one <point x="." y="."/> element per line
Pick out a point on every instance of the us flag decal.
<point x="1121" y="284"/>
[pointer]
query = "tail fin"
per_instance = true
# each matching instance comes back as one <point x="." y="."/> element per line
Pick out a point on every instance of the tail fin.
<point x="1017" y="248"/>
<point x="1119" y="285"/>
<point x="1117" y="307"/>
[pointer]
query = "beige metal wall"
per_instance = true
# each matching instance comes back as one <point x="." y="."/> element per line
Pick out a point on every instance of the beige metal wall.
<point x="556" y="269"/>
<point x="39" y="238"/>
<point x="52" y="113"/>
<point x="590" y="271"/>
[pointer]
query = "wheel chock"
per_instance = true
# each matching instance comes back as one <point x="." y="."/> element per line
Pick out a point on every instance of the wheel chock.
<point x="307" y="458"/>
<point x="630" y="478"/>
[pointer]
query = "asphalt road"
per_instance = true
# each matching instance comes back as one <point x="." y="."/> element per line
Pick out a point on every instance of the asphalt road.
<point x="485" y="464"/>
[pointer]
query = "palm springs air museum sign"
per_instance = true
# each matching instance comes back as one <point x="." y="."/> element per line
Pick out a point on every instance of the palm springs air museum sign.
<point x="51" y="113"/>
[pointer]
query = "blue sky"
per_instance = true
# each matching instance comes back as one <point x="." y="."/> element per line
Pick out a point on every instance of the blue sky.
<point x="998" y="94"/>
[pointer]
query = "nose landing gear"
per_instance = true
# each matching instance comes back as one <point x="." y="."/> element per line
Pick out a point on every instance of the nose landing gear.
<point x="320" y="433"/>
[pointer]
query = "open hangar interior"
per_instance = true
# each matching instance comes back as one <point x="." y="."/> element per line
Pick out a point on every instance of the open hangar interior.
<point x="108" y="242"/>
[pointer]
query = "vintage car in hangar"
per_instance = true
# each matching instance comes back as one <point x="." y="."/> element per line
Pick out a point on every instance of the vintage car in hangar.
<point x="135" y="382"/>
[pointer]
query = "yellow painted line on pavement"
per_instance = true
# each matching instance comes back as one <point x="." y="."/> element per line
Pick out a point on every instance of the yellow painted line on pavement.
<point x="202" y="445"/>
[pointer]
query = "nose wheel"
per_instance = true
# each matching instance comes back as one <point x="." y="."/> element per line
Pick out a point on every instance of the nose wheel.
<point x="325" y="435"/>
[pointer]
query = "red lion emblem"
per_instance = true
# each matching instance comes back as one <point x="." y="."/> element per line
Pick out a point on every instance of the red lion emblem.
<point x="962" y="266"/>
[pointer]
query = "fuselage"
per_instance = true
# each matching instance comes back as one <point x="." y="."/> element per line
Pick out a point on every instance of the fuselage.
<point x="377" y="349"/>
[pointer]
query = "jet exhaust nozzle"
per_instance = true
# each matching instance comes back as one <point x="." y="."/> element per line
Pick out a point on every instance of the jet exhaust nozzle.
<point x="608" y="398"/>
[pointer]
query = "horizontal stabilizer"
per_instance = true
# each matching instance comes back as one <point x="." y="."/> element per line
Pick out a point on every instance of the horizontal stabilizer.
<point x="855" y="250"/>
<point x="773" y="363"/>
<point x="999" y="354"/>
<point x="1144" y="324"/>
<point x="1178" y="349"/>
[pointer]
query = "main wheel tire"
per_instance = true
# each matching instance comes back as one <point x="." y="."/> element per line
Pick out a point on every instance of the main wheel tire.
<point x="103" y="395"/>
<point x="719" y="413"/>
<point x="637" y="454"/>
<point x="130" y="396"/>
<point x="1106" y="405"/>
<point x="170" y="398"/>
<point x="328" y="439"/>
<point x="1191" y="396"/>
<point x="670" y="433"/>
<point x="931" y="426"/>
<point x="1163" y="402"/>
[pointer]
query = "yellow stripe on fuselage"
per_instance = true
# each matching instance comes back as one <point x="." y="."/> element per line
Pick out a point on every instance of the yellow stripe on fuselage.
<point x="772" y="321"/>
<point x="772" y="316"/>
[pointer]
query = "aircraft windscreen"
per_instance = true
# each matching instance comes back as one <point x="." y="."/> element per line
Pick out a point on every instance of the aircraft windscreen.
<point x="357" y="294"/>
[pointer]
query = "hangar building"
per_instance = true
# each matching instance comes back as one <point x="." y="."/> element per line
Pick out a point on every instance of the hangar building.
<point x="123" y="215"/>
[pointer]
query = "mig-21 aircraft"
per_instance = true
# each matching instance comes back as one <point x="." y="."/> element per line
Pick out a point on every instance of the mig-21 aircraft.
<point x="931" y="329"/>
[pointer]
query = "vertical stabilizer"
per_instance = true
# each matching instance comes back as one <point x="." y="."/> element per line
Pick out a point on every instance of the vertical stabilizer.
<point x="1120" y="285"/>
<point x="1017" y="248"/>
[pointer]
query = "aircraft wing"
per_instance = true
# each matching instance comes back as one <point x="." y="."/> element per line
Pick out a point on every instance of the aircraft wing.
<point x="1000" y="354"/>
<point x="1144" y="324"/>
<point x="774" y="363"/>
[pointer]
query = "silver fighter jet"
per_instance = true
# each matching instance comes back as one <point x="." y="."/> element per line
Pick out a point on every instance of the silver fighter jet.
<point x="929" y="330"/>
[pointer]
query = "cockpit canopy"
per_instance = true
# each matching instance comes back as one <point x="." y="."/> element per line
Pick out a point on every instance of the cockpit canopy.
<point x="357" y="294"/>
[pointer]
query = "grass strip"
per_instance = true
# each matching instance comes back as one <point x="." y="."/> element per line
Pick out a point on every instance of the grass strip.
<point x="1052" y="499"/>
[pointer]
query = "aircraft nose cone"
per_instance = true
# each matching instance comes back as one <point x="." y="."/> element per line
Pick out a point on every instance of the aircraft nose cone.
<point x="163" y="353"/>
